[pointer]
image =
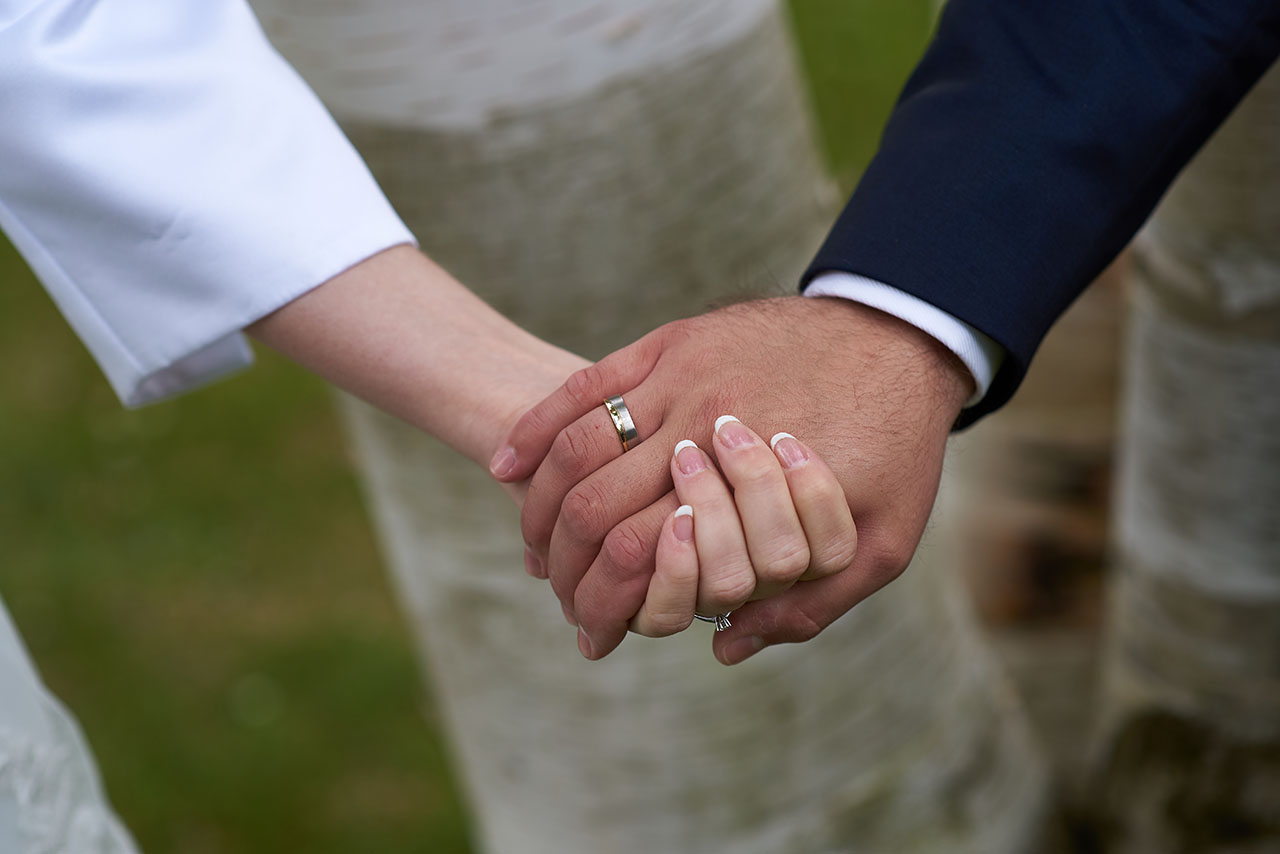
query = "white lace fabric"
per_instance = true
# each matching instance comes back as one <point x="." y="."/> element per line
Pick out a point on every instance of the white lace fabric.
<point x="51" y="799"/>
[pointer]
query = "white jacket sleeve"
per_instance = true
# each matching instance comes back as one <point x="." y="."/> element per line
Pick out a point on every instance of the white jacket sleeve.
<point x="171" y="180"/>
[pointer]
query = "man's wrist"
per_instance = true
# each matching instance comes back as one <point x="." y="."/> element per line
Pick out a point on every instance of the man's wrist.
<point x="924" y="362"/>
<point x="980" y="355"/>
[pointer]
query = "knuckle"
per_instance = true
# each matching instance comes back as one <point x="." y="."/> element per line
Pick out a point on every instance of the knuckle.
<point x="837" y="554"/>
<point x="824" y="492"/>
<point x="570" y="450"/>
<point x="626" y="551"/>
<point x="757" y="473"/>
<point x="664" y="623"/>
<point x="891" y="560"/>
<point x="536" y="422"/>
<point x="786" y="562"/>
<point x="732" y="588"/>
<point x="582" y="514"/>
<point x="670" y="334"/>
<point x="583" y="384"/>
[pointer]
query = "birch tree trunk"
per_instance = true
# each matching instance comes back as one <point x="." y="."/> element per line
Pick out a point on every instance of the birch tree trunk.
<point x="1031" y="532"/>
<point x="1189" y="741"/>
<point x="594" y="170"/>
<point x="1038" y="473"/>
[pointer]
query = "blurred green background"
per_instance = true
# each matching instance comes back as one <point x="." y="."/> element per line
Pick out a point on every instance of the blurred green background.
<point x="198" y="581"/>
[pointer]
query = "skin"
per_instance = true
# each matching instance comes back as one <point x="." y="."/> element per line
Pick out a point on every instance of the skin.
<point x="874" y="396"/>
<point x="401" y="333"/>
<point x="766" y="517"/>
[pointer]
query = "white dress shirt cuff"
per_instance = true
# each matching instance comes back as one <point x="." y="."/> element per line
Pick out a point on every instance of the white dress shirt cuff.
<point x="979" y="353"/>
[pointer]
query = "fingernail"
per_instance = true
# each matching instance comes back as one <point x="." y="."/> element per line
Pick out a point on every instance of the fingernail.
<point x="688" y="457"/>
<point x="789" y="450"/>
<point x="503" y="462"/>
<point x="533" y="564"/>
<point x="568" y="616"/>
<point x="683" y="525"/>
<point x="584" y="644"/>
<point x="732" y="433"/>
<point x="742" y="649"/>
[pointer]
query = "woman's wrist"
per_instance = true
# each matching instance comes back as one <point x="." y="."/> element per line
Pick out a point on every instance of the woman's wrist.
<point x="497" y="399"/>
<point x="399" y="332"/>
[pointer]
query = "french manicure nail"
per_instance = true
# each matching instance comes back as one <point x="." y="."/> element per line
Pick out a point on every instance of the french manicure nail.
<point x="742" y="649"/>
<point x="789" y="450"/>
<point x="584" y="644"/>
<point x="732" y="433"/>
<point x="688" y="457"/>
<point x="683" y="524"/>
<point x="503" y="462"/>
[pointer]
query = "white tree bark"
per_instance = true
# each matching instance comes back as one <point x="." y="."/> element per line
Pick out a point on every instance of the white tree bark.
<point x="1189" y="741"/>
<point x="1031" y="531"/>
<point x="1037" y="472"/>
<point x="1030" y="535"/>
<point x="595" y="169"/>
<point x="51" y="798"/>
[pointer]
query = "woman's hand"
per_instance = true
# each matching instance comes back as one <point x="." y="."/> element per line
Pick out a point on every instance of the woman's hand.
<point x="776" y="516"/>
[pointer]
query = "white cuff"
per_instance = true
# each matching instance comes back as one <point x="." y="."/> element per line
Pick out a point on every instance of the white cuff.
<point x="981" y="355"/>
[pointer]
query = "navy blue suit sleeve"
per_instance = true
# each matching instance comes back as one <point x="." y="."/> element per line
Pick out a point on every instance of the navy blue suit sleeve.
<point x="1030" y="144"/>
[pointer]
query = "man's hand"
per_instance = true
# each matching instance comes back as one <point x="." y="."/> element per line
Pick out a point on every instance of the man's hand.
<point x="871" y="394"/>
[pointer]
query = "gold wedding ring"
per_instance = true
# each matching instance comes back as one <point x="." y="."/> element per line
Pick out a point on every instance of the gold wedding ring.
<point x="621" y="421"/>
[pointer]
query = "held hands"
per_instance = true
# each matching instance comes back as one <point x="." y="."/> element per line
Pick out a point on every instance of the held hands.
<point x="872" y="395"/>
<point x="775" y="517"/>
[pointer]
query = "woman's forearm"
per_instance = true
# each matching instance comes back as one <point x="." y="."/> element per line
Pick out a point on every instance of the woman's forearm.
<point x="404" y="335"/>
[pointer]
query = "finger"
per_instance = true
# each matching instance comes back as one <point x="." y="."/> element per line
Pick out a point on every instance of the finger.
<point x="591" y="511"/>
<point x="725" y="576"/>
<point x="775" y="540"/>
<point x="820" y="502"/>
<point x="673" y="589"/>
<point x="584" y="390"/>
<point x="613" y="590"/>
<point x="800" y="613"/>
<point x="580" y="449"/>
<point x="533" y="565"/>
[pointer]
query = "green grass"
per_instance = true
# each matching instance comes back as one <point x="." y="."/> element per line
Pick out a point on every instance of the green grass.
<point x="856" y="55"/>
<point x="198" y="582"/>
